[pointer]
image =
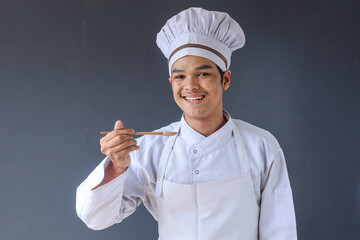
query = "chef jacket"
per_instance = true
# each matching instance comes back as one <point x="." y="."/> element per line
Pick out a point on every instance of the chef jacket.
<point x="194" y="159"/>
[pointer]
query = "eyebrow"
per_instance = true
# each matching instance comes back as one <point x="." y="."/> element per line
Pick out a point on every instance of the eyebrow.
<point x="202" y="67"/>
<point x="197" y="68"/>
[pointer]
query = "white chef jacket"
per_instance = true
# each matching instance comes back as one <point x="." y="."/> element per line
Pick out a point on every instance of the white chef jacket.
<point x="194" y="159"/>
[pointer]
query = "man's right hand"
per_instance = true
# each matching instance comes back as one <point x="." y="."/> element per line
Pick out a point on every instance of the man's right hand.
<point x="117" y="145"/>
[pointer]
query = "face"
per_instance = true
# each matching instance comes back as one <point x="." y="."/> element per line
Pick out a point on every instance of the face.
<point x="197" y="88"/>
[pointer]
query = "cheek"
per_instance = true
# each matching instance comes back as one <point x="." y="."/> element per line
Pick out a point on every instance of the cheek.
<point x="175" y="87"/>
<point x="214" y="88"/>
<point x="175" y="90"/>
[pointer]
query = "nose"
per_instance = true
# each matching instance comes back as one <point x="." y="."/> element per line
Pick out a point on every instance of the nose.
<point x="191" y="82"/>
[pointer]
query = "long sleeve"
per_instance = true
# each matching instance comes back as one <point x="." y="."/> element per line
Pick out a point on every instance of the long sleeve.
<point x="277" y="213"/>
<point x="107" y="205"/>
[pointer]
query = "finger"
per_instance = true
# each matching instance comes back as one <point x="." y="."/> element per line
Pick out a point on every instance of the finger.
<point x="124" y="131"/>
<point x="119" y="139"/>
<point x="114" y="133"/>
<point x="130" y="149"/>
<point x="110" y="150"/>
<point x="118" y="125"/>
<point x="120" y="152"/>
<point x="124" y="145"/>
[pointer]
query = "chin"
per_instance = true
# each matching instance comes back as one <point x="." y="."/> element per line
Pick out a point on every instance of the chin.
<point x="195" y="114"/>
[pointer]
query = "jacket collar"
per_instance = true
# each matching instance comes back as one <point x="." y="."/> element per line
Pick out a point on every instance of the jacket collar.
<point x="210" y="143"/>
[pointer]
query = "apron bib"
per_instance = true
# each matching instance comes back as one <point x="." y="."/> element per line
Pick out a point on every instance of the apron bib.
<point x="224" y="209"/>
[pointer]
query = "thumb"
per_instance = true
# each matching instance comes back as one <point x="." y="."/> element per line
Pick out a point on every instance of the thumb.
<point x="118" y="125"/>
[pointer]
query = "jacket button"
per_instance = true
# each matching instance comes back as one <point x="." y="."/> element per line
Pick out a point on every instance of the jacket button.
<point x="195" y="152"/>
<point x="197" y="171"/>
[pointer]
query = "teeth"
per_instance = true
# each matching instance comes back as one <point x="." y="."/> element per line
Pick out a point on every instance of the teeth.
<point x="194" y="99"/>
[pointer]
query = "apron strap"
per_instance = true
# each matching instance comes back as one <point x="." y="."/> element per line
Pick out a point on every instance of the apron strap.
<point x="241" y="150"/>
<point x="163" y="162"/>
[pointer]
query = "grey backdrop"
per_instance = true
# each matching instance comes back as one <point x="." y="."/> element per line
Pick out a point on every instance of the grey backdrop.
<point x="69" y="69"/>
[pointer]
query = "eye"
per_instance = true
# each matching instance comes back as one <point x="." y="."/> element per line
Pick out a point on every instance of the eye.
<point x="203" y="74"/>
<point x="179" y="77"/>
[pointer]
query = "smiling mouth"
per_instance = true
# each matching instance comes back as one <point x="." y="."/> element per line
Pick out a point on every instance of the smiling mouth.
<point x="194" y="99"/>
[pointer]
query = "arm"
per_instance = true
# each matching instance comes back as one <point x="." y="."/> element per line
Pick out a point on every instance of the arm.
<point x="277" y="214"/>
<point x="108" y="204"/>
<point x="99" y="199"/>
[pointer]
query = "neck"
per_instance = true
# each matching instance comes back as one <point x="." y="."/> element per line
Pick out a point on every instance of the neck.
<point x="206" y="127"/>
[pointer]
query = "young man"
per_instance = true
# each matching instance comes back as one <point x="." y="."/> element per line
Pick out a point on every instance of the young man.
<point x="217" y="178"/>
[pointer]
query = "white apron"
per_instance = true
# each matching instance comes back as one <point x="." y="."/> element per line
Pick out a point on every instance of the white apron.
<point x="218" y="210"/>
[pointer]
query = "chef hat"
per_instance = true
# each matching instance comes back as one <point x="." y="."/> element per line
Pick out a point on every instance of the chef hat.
<point x="199" y="32"/>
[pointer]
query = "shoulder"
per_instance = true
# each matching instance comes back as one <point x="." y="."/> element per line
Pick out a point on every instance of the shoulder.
<point x="257" y="139"/>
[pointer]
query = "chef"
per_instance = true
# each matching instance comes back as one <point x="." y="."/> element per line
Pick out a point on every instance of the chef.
<point x="218" y="177"/>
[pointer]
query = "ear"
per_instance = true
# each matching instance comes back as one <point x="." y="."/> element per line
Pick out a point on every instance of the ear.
<point x="226" y="80"/>
<point x="170" y="80"/>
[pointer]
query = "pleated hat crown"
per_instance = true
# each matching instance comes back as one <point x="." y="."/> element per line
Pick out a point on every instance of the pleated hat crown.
<point x="199" y="32"/>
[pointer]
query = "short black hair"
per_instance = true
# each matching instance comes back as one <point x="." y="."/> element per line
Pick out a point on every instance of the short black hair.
<point x="221" y="73"/>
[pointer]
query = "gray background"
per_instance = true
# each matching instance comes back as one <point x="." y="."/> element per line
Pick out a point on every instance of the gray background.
<point x="69" y="69"/>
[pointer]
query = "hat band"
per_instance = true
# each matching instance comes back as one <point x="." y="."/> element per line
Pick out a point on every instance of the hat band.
<point x="192" y="45"/>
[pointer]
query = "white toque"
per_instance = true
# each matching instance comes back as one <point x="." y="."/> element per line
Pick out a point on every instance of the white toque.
<point x="199" y="32"/>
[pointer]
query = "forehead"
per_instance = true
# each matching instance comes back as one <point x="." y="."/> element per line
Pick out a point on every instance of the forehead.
<point x="190" y="62"/>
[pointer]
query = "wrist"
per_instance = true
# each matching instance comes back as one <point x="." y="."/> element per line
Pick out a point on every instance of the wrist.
<point x="111" y="172"/>
<point x="115" y="170"/>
